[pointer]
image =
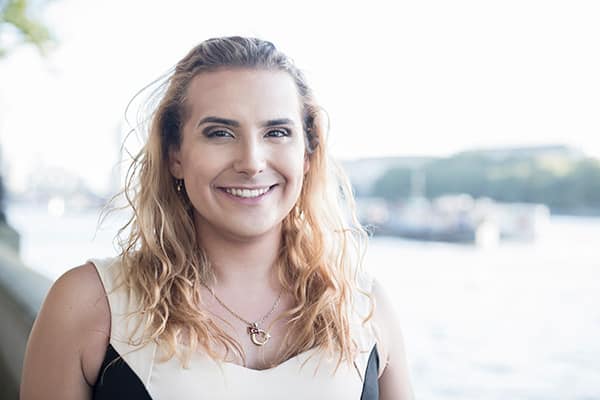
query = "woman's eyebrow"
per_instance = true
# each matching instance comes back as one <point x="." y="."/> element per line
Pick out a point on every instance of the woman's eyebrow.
<point x="236" y="124"/>
<point x="280" y="121"/>
<point x="218" y="120"/>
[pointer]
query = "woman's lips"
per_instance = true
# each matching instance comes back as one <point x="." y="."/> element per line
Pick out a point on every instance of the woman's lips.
<point x="253" y="195"/>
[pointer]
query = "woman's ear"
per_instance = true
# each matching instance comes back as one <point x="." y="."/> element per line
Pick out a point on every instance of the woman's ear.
<point x="175" y="166"/>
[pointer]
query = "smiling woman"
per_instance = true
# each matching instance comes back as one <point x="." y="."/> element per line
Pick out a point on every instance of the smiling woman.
<point x="240" y="276"/>
<point x="242" y="160"/>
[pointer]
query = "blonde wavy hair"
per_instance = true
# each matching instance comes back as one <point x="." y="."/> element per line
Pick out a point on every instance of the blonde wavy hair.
<point x="322" y="241"/>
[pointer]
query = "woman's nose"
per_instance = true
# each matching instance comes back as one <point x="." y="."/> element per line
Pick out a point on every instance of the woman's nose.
<point x="251" y="159"/>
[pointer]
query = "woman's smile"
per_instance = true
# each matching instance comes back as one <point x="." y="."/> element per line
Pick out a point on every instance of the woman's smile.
<point x="247" y="196"/>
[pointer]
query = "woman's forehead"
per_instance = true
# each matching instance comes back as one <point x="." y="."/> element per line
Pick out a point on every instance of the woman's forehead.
<point x="241" y="92"/>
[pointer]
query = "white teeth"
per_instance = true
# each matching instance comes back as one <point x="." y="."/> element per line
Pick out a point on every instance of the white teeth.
<point x="247" y="193"/>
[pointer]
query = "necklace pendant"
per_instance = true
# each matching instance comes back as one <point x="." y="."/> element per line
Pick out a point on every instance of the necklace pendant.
<point x="258" y="336"/>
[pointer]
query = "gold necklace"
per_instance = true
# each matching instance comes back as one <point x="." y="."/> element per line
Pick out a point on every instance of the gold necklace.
<point x="258" y="336"/>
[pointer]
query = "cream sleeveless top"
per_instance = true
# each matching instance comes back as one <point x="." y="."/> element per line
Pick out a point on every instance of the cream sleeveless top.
<point x="134" y="372"/>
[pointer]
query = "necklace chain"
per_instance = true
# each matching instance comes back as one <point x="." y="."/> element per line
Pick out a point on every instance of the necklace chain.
<point x="257" y="323"/>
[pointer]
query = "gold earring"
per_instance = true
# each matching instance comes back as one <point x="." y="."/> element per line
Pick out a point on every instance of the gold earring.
<point x="179" y="185"/>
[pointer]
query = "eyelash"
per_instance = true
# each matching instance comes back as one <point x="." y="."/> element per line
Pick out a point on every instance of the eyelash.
<point x="217" y="133"/>
<point x="284" y="132"/>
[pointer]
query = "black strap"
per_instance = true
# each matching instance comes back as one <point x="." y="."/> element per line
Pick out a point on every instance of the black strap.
<point x="117" y="380"/>
<point x="371" y="384"/>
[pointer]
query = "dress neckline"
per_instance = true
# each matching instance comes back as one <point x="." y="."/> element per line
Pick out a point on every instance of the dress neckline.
<point x="300" y="357"/>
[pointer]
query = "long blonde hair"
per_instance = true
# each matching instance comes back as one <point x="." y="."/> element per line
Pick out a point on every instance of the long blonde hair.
<point x="322" y="241"/>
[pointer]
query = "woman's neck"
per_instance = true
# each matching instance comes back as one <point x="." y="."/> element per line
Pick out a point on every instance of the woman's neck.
<point x="247" y="263"/>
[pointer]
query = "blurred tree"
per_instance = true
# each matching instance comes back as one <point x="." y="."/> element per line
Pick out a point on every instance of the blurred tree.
<point x="572" y="188"/>
<point x="17" y="27"/>
<point x="462" y="173"/>
<point x="394" y="184"/>
<point x="16" y="21"/>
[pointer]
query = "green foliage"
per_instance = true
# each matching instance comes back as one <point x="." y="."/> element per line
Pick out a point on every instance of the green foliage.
<point x="463" y="173"/>
<point x="395" y="183"/>
<point x="562" y="183"/>
<point x="16" y="15"/>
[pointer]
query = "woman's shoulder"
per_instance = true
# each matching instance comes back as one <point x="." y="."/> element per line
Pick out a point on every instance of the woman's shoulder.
<point x="83" y="289"/>
<point x="72" y="329"/>
<point x="81" y="278"/>
<point x="79" y="290"/>
<point x="78" y="299"/>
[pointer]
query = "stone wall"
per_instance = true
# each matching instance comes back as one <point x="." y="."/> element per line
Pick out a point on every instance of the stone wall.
<point x="22" y="292"/>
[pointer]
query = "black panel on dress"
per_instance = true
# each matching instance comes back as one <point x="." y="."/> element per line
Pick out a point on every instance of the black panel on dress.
<point x="117" y="380"/>
<point x="371" y="384"/>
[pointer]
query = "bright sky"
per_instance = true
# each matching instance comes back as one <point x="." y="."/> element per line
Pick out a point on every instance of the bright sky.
<point x="397" y="78"/>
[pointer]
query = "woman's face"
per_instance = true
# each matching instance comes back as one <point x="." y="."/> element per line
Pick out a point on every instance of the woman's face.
<point x="242" y="154"/>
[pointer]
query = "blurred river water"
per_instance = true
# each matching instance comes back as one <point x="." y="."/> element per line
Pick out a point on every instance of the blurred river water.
<point x="519" y="321"/>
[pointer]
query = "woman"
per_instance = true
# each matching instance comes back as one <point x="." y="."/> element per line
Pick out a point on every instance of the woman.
<point x="241" y="275"/>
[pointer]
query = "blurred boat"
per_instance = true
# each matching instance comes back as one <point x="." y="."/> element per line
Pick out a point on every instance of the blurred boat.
<point x="454" y="218"/>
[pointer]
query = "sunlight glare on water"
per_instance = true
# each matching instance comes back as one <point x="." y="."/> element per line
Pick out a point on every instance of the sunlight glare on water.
<point x="516" y="321"/>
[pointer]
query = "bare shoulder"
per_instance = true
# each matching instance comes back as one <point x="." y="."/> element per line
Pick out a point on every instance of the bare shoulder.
<point x="394" y="382"/>
<point x="72" y="330"/>
<point x="79" y="281"/>
<point x="78" y="298"/>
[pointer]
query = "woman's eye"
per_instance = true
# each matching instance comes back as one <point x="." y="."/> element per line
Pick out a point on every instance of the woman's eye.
<point x="279" y="132"/>
<point x="218" y="133"/>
